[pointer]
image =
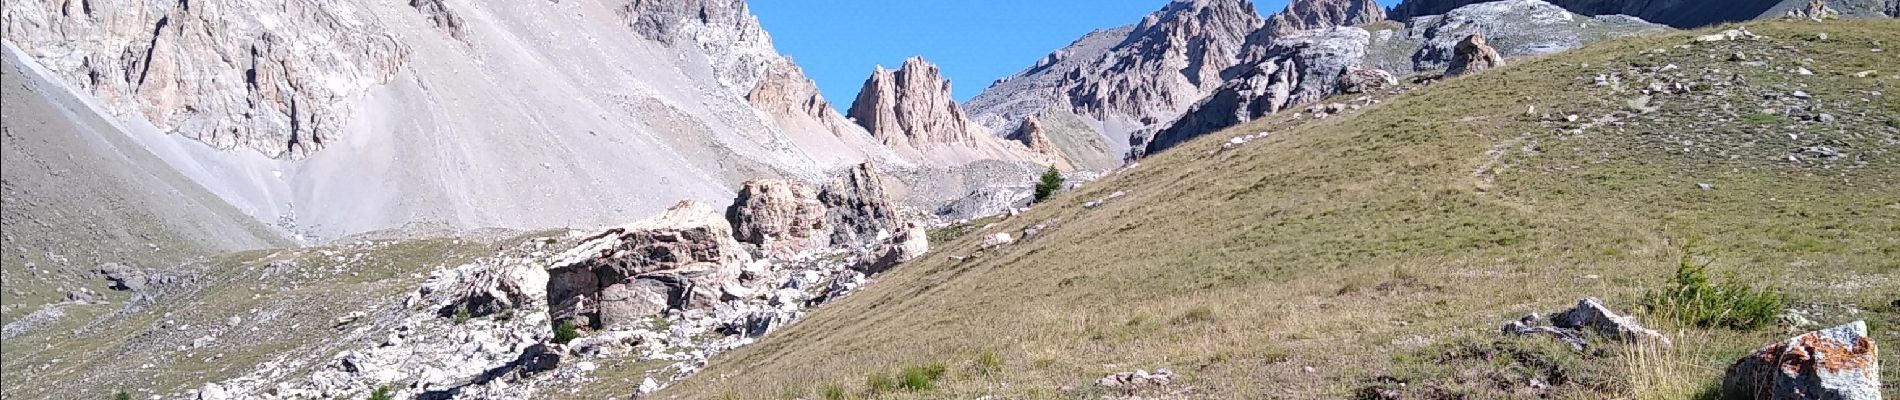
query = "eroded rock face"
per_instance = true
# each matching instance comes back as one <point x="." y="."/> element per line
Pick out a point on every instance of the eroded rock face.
<point x="1299" y="68"/>
<point x="858" y="208"/>
<point x="1032" y="135"/>
<point x="724" y="30"/>
<point x="1840" y="363"/>
<point x="1306" y="66"/>
<point x="675" y="261"/>
<point x="1129" y="78"/>
<point x="1318" y="14"/>
<point x="275" y="77"/>
<point x="783" y="217"/>
<point x="445" y="18"/>
<point x="1815" y="10"/>
<point x="1473" y="55"/>
<point x="788" y="95"/>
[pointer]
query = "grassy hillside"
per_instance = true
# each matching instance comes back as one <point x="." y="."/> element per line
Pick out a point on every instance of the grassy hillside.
<point x="77" y="193"/>
<point x="1349" y="252"/>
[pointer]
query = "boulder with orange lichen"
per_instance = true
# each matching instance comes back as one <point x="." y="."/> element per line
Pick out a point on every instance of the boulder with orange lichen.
<point x="1839" y="363"/>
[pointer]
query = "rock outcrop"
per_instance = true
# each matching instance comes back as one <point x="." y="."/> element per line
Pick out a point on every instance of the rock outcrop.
<point x="724" y="30"/>
<point x="1032" y="135"/>
<point x="911" y="110"/>
<point x="792" y="98"/>
<point x="786" y="218"/>
<point x="276" y="78"/>
<point x="444" y="17"/>
<point x="1815" y="10"/>
<point x="1304" y="15"/>
<point x="1299" y="68"/>
<point x="1307" y="66"/>
<point x="782" y="217"/>
<point x="912" y="106"/>
<point x="1130" y="78"/>
<point x="678" y="260"/>
<point x="858" y="209"/>
<point x="1473" y="55"/>
<point x="1840" y="363"/>
<point x="1676" y="13"/>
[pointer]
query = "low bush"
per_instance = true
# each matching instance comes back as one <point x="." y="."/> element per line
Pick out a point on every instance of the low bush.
<point x="566" y="332"/>
<point x="1693" y="299"/>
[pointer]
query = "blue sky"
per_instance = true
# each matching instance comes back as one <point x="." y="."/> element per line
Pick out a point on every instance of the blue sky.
<point x="974" y="41"/>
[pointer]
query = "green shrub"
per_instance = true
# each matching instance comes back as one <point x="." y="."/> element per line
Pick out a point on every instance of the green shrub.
<point x="1693" y="299"/>
<point x="1195" y="315"/>
<point x="566" y="332"/>
<point x="922" y="378"/>
<point x="988" y="363"/>
<point x="383" y="393"/>
<point x="122" y="395"/>
<point x="878" y="383"/>
<point x="834" y="392"/>
<point x="1051" y="182"/>
<point x="461" y="316"/>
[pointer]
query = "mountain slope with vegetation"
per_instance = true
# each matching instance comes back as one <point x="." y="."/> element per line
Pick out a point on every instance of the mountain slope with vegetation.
<point x="1335" y="256"/>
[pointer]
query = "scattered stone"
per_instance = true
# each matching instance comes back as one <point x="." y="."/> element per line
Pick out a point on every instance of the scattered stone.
<point x="997" y="239"/>
<point x="122" y="277"/>
<point x="1705" y="186"/>
<point x="1836" y="363"/>
<point x="1592" y="314"/>
<point x="1816" y="10"/>
<point x="1129" y="382"/>
<point x="1866" y="74"/>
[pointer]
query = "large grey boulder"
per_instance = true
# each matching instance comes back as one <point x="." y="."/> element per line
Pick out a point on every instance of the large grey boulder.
<point x="675" y="261"/>
<point x="1839" y="363"/>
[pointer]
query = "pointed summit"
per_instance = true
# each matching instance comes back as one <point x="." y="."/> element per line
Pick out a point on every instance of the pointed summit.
<point x="911" y="106"/>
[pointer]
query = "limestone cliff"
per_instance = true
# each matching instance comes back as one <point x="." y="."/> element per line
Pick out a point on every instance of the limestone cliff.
<point x="275" y="78"/>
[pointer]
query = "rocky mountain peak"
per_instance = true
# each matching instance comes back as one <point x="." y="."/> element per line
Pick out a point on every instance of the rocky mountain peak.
<point x="1315" y="14"/>
<point x="911" y="106"/>
<point x="1130" y="78"/>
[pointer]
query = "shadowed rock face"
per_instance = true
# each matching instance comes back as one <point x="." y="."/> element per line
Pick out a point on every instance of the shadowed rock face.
<point x="1676" y="13"/>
